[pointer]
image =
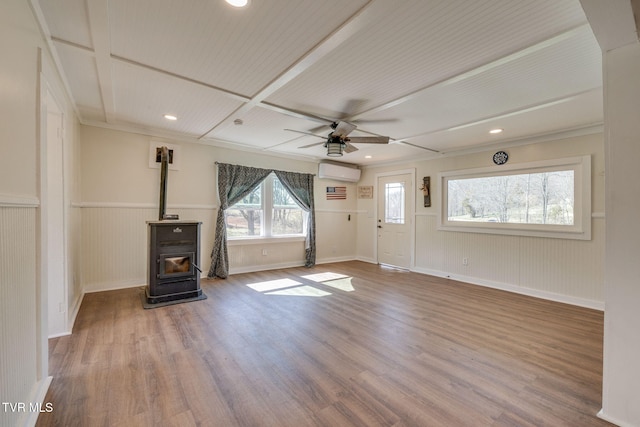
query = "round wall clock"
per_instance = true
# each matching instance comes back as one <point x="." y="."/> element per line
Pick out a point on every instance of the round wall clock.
<point x="500" y="158"/>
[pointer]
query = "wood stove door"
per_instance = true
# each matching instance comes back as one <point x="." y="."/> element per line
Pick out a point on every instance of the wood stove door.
<point x="175" y="265"/>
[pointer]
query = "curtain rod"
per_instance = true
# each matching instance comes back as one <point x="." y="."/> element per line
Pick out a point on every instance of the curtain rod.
<point x="217" y="163"/>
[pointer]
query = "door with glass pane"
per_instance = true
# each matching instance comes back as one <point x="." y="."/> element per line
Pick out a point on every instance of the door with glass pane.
<point x="393" y="222"/>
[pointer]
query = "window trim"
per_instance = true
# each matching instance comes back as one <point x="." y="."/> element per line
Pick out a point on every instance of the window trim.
<point x="267" y="206"/>
<point x="581" y="229"/>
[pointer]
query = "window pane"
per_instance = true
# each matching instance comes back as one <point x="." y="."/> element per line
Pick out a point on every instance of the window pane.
<point x="287" y="221"/>
<point x="269" y="210"/>
<point x="253" y="199"/>
<point x="281" y="197"/>
<point x="243" y="222"/>
<point x="535" y="198"/>
<point x="394" y="203"/>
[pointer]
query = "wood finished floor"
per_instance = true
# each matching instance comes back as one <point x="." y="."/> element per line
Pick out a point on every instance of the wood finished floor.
<point x="362" y="345"/>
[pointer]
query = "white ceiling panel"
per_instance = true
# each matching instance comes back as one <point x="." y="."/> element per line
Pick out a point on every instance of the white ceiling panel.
<point x="209" y="41"/>
<point x="569" y="66"/>
<point x="435" y="73"/>
<point x="412" y="44"/>
<point x="573" y="113"/>
<point x="59" y="13"/>
<point x="261" y="128"/>
<point x="144" y="97"/>
<point x="83" y="81"/>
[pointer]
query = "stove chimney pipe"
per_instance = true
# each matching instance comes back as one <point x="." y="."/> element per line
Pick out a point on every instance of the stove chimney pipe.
<point x="164" y="170"/>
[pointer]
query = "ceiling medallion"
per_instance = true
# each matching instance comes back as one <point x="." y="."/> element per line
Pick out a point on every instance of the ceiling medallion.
<point x="500" y="158"/>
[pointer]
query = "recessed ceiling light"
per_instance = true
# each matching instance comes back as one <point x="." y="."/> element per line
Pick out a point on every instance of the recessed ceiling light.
<point x="368" y="157"/>
<point x="238" y="3"/>
<point x="170" y="117"/>
<point x="494" y="131"/>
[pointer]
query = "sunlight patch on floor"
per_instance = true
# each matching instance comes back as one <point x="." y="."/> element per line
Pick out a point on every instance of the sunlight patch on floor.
<point x="341" y="284"/>
<point x="334" y="280"/>
<point x="293" y="287"/>
<point x="270" y="285"/>
<point x="322" y="277"/>
<point x="301" y="291"/>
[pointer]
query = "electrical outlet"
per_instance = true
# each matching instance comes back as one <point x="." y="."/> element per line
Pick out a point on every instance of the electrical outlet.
<point x="465" y="261"/>
<point x="264" y="252"/>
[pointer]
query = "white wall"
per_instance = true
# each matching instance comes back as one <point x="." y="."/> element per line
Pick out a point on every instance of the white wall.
<point x="23" y="314"/>
<point x="621" y="373"/>
<point x="120" y="193"/>
<point x="564" y="270"/>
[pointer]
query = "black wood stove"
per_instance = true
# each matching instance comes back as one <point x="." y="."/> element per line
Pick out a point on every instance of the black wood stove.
<point x="174" y="256"/>
<point x="174" y="251"/>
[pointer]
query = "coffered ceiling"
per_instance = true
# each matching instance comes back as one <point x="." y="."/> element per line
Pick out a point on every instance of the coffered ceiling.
<point x="433" y="75"/>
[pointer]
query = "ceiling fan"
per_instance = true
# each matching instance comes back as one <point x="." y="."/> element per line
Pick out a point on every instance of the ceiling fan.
<point x="338" y="141"/>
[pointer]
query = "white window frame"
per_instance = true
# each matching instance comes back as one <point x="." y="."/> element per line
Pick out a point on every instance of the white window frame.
<point x="581" y="229"/>
<point x="267" y="217"/>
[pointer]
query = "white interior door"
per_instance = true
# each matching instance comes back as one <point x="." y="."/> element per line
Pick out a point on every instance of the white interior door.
<point x="394" y="221"/>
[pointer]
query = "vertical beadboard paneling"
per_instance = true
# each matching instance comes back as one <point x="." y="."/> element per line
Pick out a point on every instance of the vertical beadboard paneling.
<point x="566" y="268"/>
<point x="114" y="247"/>
<point x="18" y="308"/>
<point x="114" y="244"/>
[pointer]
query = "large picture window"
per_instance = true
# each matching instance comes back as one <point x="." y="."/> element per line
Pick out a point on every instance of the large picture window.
<point x="268" y="211"/>
<point x="549" y="199"/>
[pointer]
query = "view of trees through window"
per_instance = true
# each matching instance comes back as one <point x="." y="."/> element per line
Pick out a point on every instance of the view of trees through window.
<point x="394" y="203"/>
<point x="534" y="198"/>
<point x="268" y="210"/>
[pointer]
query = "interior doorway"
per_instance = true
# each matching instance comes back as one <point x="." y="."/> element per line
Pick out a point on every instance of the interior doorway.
<point x="52" y="201"/>
<point x="394" y="221"/>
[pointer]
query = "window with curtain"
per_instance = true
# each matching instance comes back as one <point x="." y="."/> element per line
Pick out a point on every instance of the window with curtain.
<point x="268" y="211"/>
<point x="253" y="205"/>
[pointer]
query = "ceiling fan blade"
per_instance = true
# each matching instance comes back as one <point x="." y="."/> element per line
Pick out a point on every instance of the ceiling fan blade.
<point x="306" y="133"/>
<point x="348" y="148"/>
<point x="343" y="129"/>
<point x="369" y="139"/>
<point x="377" y="121"/>
<point x="312" y="145"/>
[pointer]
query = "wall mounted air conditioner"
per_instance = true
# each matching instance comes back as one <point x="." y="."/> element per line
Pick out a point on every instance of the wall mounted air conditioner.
<point x="338" y="172"/>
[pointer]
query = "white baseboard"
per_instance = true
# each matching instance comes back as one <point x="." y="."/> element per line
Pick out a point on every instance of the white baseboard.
<point x="334" y="259"/>
<point x="552" y="296"/>
<point x="612" y="420"/>
<point x="366" y="259"/>
<point x="264" y="267"/>
<point x="112" y="286"/>
<point x="74" y="311"/>
<point x="38" y="396"/>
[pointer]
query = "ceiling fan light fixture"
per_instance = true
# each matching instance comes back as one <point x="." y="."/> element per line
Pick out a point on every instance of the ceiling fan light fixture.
<point x="334" y="149"/>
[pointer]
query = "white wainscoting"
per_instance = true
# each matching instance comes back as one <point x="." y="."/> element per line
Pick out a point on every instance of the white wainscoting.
<point x="564" y="270"/>
<point x="18" y="329"/>
<point x="114" y="242"/>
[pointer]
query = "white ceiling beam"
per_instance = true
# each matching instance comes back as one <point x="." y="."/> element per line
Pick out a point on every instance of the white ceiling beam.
<point x="98" y="11"/>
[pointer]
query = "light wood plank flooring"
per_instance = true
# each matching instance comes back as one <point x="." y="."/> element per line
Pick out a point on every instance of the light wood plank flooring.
<point x="344" y="344"/>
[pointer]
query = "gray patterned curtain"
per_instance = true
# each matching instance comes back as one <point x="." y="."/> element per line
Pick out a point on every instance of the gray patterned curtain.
<point x="300" y="186"/>
<point x="234" y="182"/>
